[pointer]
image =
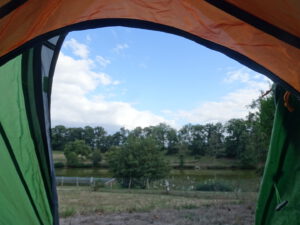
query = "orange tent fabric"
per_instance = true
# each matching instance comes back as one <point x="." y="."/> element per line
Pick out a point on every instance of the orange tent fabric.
<point x="283" y="14"/>
<point x="35" y="19"/>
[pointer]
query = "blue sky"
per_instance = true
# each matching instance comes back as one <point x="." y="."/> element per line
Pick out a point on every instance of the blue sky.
<point x="119" y="76"/>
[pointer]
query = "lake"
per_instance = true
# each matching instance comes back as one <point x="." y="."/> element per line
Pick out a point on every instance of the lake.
<point x="241" y="180"/>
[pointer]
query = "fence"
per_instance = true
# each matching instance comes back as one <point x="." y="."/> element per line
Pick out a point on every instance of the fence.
<point x="84" y="181"/>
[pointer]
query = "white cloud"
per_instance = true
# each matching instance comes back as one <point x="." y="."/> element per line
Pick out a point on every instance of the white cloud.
<point x="102" y="61"/>
<point x="120" y="47"/>
<point x="240" y="75"/>
<point x="233" y="105"/>
<point x="249" y="78"/>
<point x="88" y="38"/>
<point x="75" y="104"/>
<point x="75" y="101"/>
<point x="77" y="48"/>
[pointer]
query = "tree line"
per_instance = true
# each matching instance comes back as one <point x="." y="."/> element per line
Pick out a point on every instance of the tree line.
<point x="246" y="139"/>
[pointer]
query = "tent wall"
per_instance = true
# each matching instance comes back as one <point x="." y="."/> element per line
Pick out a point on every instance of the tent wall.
<point x="282" y="173"/>
<point x="28" y="191"/>
<point x="283" y="14"/>
<point x="22" y="197"/>
<point x="199" y="18"/>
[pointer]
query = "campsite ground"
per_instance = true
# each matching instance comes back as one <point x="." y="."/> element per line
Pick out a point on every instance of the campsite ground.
<point x="118" y="206"/>
<point x="81" y="205"/>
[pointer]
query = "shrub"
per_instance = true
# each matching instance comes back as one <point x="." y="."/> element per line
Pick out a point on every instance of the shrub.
<point x="98" y="186"/>
<point x="81" y="165"/>
<point x="213" y="185"/>
<point x="137" y="163"/>
<point x="76" y="152"/>
<point x="96" y="157"/>
<point x="59" y="165"/>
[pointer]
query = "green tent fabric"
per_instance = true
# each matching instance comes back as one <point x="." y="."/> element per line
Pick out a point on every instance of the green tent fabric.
<point x="279" y="199"/>
<point x="28" y="190"/>
<point x="19" y="162"/>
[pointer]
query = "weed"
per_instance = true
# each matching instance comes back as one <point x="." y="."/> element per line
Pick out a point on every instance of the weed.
<point x="188" y="206"/>
<point x="68" y="212"/>
<point x="213" y="185"/>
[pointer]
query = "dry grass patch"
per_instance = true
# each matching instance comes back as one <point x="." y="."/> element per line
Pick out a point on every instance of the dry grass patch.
<point x="84" y="201"/>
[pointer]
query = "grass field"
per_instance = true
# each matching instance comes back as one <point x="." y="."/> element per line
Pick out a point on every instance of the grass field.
<point x="181" y="206"/>
<point x="82" y="204"/>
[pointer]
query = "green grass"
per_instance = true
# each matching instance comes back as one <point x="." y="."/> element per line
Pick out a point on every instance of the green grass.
<point x="79" y="200"/>
<point x="67" y="212"/>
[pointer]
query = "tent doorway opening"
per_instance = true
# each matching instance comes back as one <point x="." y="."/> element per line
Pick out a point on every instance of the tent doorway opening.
<point x="179" y="112"/>
<point x="258" y="34"/>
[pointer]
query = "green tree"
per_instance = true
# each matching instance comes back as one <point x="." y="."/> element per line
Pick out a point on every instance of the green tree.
<point x="164" y="135"/>
<point x="173" y="141"/>
<point x="260" y="124"/>
<point x="89" y="136"/>
<point x="199" y="140"/>
<point x="76" y="152"/>
<point x="182" y="152"/>
<point x="75" y="133"/>
<point x="100" y="139"/>
<point x="235" y="140"/>
<point x="137" y="162"/>
<point x="194" y="138"/>
<point x="215" y="140"/>
<point x="185" y="136"/>
<point x="96" y="157"/>
<point x="248" y="140"/>
<point x="59" y="137"/>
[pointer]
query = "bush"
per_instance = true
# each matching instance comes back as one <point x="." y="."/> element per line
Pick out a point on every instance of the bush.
<point x="81" y="165"/>
<point x="137" y="163"/>
<point x="98" y="186"/>
<point x="76" y="152"/>
<point x="59" y="165"/>
<point x="213" y="185"/>
<point x="96" y="157"/>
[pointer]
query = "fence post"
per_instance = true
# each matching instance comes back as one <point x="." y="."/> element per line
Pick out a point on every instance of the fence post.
<point x="77" y="184"/>
<point x="91" y="181"/>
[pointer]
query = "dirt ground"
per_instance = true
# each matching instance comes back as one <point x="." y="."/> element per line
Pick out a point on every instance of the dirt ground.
<point x="223" y="214"/>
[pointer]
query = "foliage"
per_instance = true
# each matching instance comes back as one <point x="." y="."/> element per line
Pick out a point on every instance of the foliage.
<point x="235" y="140"/>
<point x="76" y="152"/>
<point x="213" y="185"/>
<point x="96" y="157"/>
<point x="59" y="165"/>
<point x="245" y="139"/>
<point x="263" y="122"/>
<point x="59" y="137"/>
<point x="181" y="155"/>
<point x="137" y="163"/>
